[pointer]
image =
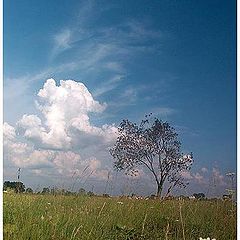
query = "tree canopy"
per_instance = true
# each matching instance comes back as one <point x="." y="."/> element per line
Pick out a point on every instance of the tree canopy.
<point x="18" y="187"/>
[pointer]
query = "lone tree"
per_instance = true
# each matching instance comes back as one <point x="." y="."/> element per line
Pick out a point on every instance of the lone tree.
<point x="155" y="147"/>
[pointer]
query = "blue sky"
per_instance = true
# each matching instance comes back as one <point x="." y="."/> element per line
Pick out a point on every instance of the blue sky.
<point x="176" y="59"/>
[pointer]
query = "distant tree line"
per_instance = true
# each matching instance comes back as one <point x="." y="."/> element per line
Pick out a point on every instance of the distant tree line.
<point x="199" y="195"/>
<point x="17" y="187"/>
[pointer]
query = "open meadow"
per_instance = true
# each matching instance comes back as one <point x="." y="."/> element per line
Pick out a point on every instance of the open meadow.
<point x="32" y="216"/>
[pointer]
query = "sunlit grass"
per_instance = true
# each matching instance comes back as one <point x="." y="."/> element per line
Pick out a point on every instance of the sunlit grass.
<point x="82" y="217"/>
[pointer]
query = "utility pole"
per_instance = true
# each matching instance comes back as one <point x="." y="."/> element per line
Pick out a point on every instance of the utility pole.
<point x="231" y="191"/>
<point x="212" y="188"/>
<point x="107" y="182"/>
<point x="18" y="178"/>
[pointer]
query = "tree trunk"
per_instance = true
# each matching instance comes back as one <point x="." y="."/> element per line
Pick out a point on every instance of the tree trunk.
<point x="159" y="190"/>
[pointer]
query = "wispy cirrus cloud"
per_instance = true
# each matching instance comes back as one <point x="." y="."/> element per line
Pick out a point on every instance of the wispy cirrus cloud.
<point x="90" y="49"/>
<point x="108" y="85"/>
<point x="108" y="48"/>
<point x="62" y="42"/>
<point x="163" y="112"/>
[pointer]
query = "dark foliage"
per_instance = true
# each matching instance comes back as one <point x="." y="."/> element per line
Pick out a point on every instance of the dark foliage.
<point x="82" y="191"/>
<point x="90" y="194"/>
<point x="29" y="190"/>
<point x="199" y="195"/>
<point x="18" y="187"/>
<point x="45" y="190"/>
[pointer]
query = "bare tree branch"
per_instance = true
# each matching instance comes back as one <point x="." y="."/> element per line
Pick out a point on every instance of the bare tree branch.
<point x="153" y="146"/>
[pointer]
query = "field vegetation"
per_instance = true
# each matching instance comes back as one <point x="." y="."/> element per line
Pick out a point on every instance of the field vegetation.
<point x="37" y="216"/>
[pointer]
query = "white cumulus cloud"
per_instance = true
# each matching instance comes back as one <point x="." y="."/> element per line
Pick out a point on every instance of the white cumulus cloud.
<point x="65" y="112"/>
<point x="61" y="133"/>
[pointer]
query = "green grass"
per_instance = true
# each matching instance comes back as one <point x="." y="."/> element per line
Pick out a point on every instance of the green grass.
<point x="69" y="217"/>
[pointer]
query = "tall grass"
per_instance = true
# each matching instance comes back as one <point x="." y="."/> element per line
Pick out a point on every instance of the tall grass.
<point x="82" y="217"/>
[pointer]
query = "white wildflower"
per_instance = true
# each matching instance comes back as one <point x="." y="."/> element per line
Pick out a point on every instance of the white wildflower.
<point x="208" y="238"/>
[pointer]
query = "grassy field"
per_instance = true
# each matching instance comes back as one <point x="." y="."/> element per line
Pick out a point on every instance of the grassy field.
<point x="69" y="217"/>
